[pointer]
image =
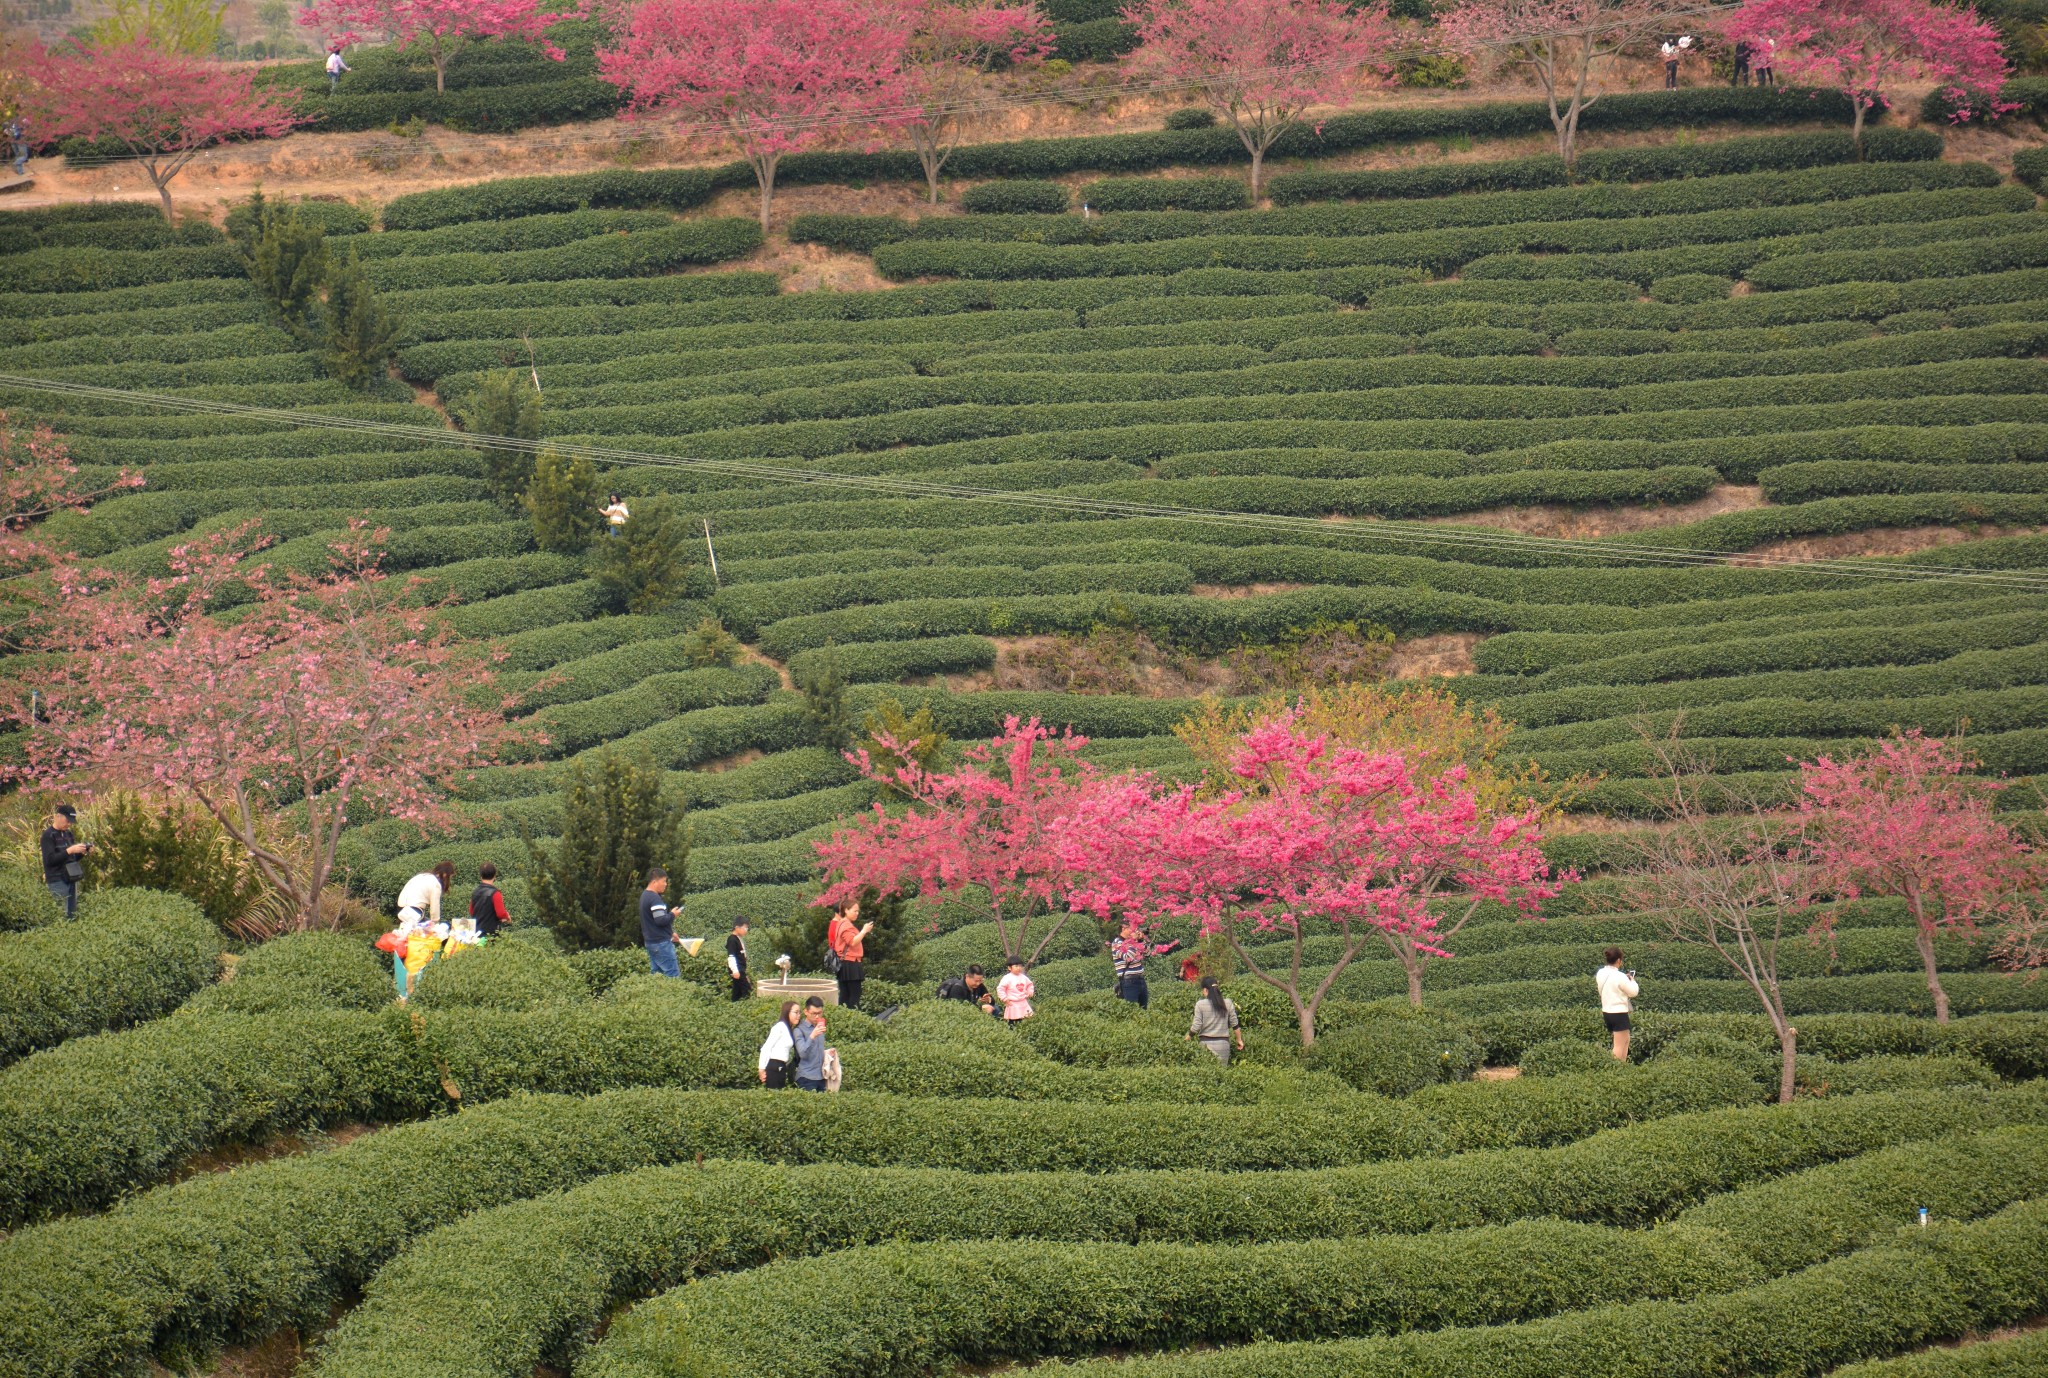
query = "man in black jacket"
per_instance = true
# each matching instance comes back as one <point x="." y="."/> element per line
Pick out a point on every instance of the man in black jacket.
<point x="64" y="858"/>
<point x="969" y="987"/>
<point x="736" y="961"/>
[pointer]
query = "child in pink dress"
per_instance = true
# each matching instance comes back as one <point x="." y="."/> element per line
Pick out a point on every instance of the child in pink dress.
<point x="1015" y="991"/>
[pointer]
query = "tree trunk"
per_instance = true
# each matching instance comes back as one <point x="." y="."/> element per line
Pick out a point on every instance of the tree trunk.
<point x="1856" y="127"/>
<point x="1305" y="1020"/>
<point x="1411" y="962"/>
<point x="1925" y="939"/>
<point x="766" y="173"/>
<point x="1258" y="161"/>
<point x="931" y="178"/>
<point x="1788" y="1044"/>
<point x="161" y="180"/>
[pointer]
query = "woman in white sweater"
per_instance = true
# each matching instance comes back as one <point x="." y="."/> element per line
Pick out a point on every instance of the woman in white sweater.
<point x="1618" y="992"/>
<point x="779" y="1051"/>
<point x="420" y="901"/>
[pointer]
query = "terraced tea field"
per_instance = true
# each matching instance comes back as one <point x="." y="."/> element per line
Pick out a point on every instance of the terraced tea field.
<point x="1520" y="431"/>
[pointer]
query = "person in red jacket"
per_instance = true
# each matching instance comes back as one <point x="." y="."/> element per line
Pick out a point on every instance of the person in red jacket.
<point x="487" y="902"/>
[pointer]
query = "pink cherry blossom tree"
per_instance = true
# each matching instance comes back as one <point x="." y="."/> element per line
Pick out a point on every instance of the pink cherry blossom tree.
<point x="1341" y="837"/>
<point x="331" y="697"/>
<point x="952" y="45"/>
<point x="445" y="27"/>
<point x="38" y="480"/>
<point x="162" y="107"/>
<point x="992" y="824"/>
<point x="1907" y="819"/>
<point x="1261" y="64"/>
<point x="777" y="76"/>
<point x="1563" y="44"/>
<point x="1864" y="48"/>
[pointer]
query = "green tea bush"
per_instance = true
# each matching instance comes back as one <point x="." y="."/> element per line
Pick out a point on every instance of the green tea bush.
<point x="1015" y="198"/>
<point x="130" y="956"/>
<point x="300" y="971"/>
<point x="501" y="975"/>
<point x="1395" y="1054"/>
<point x="1166" y="194"/>
<point x="507" y="198"/>
<point x="1564" y="1056"/>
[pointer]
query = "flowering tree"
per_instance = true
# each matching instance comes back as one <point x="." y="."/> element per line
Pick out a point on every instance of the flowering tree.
<point x="1908" y="820"/>
<point x="993" y="823"/>
<point x="1864" y="47"/>
<point x="1330" y="835"/>
<point x="951" y="45"/>
<point x="37" y="480"/>
<point x="1433" y="732"/>
<point x="1260" y="63"/>
<point x="446" y="27"/>
<point x="1560" y="42"/>
<point x="334" y="695"/>
<point x="163" y="107"/>
<point x="776" y="75"/>
<point x="1726" y="879"/>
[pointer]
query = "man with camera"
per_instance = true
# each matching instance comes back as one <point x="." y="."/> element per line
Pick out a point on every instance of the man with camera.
<point x="64" y="858"/>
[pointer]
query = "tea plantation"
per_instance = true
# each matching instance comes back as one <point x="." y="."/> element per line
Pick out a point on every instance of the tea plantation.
<point x="1211" y="428"/>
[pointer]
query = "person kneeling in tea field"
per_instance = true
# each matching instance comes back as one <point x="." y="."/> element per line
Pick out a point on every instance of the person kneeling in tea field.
<point x="970" y="988"/>
<point x="1618" y="992"/>
<point x="1215" y="1022"/>
<point x="778" y="1050"/>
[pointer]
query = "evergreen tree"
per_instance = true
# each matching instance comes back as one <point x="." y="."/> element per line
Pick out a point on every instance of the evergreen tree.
<point x="285" y="257"/>
<point x="825" y="712"/>
<point x="506" y="404"/>
<point x="617" y="821"/>
<point x="917" y="738"/>
<point x="360" y="332"/>
<point x="642" y="569"/>
<point x="565" y="503"/>
<point x="709" y="644"/>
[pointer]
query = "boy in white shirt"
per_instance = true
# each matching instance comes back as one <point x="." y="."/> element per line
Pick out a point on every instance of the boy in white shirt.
<point x="1618" y="991"/>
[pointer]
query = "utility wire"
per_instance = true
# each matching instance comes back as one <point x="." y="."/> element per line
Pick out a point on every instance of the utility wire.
<point x="995" y="103"/>
<point x="883" y="485"/>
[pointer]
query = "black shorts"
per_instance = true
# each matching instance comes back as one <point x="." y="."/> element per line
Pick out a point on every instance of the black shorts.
<point x="1616" y="1023"/>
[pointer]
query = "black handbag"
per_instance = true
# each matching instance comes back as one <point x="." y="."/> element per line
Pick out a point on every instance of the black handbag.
<point x="75" y="869"/>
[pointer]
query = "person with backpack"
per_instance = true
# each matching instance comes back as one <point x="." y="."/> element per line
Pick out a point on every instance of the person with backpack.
<point x="736" y="961"/>
<point x="1618" y="992"/>
<point x="1215" y="1022"/>
<point x="843" y="952"/>
<point x="487" y="902"/>
<point x="970" y="988"/>
<point x="658" y="925"/>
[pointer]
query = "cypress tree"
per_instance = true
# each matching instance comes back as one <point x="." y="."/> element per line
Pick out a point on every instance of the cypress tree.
<point x="565" y="503"/>
<point x="617" y="821"/>
<point x="360" y="332"/>
<point x="643" y="569"/>
<point x="505" y="403"/>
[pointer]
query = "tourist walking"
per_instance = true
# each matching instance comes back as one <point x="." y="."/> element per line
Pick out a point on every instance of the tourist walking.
<point x="1015" y="991"/>
<point x="808" y="1037"/>
<point x="335" y="67"/>
<point x="1618" y="992"/>
<point x="487" y="902"/>
<point x="847" y="945"/>
<point x="1127" y="955"/>
<point x="736" y="961"/>
<point x="658" y="925"/>
<point x="969" y="987"/>
<point x="64" y="858"/>
<point x="1215" y="1022"/>
<point x="778" y="1051"/>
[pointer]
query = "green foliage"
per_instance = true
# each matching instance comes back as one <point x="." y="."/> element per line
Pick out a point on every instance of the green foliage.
<point x="130" y="956"/>
<point x="1166" y="194"/>
<point x="1565" y="1056"/>
<point x="1015" y="198"/>
<point x="171" y="26"/>
<point x="827" y="718"/>
<point x="505" y="404"/>
<point x="286" y="259"/>
<point x="895" y="739"/>
<point x="300" y="971"/>
<point x="710" y="644"/>
<point x="888" y="954"/>
<point x="565" y="502"/>
<point x="359" y="334"/>
<point x="618" y="821"/>
<point x="1397" y="1053"/>
<point x="1191" y="117"/>
<point x="643" y="568"/>
<point x="176" y="847"/>
<point x="501" y="975"/>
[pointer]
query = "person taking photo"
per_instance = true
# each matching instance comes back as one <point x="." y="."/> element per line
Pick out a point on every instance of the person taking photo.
<point x="64" y="858"/>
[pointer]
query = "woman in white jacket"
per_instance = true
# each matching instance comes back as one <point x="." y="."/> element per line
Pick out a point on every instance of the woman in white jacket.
<point x="420" y="901"/>
<point x="779" y="1051"/>
<point x="1618" y="992"/>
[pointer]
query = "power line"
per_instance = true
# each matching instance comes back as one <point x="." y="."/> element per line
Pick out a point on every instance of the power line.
<point x="883" y="485"/>
<point x="995" y="103"/>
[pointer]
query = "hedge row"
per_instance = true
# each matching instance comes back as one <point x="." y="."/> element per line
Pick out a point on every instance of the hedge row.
<point x="566" y="1261"/>
<point x="1166" y="194"/>
<point x="230" y="1255"/>
<point x="625" y="255"/>
<point x="573" y="727"/>
<point x="81" y="269"/>
<point x="1717" y="158"/>
<point x="481" y="110"/>
<point x="508" y="198"/>
<point x="1970" y="992"/>
<point x="746" y="608"/>
<point x="923" y="1305"/>
<point x="130" y="956"/>
<point x="299" y="971"/>
<point x="548" y="231"/>
<point x="888" y="662"/>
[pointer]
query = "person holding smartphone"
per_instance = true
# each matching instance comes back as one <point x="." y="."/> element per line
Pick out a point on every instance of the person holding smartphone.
<point x="64" y="858"/>
<point x="809" y="1039"/>
<point x="1618" y="992"/>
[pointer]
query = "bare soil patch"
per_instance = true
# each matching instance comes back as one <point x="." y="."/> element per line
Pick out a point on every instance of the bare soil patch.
<point x="1902" y="540"/>
<point x="275" y="1356"/>
<point x="1562" y="522"/>
<point x="750" y="656"/>
<point x="1497" y="1074"/>
<point x="813" y="268"/>
<point x="1245" y="590"/>
<point x="231" y="1156"/>
<point x="732" y="762"/>
<point x="1422" y="656"/>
